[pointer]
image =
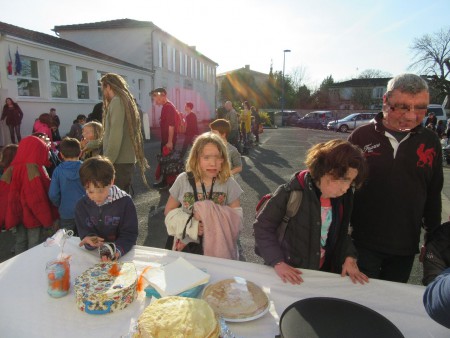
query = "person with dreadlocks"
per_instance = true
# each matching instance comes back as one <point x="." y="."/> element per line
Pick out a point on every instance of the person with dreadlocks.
<point x="122" y="139"/>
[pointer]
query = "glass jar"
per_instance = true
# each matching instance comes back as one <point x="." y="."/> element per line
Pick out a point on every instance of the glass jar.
<point x="58" y="276"/>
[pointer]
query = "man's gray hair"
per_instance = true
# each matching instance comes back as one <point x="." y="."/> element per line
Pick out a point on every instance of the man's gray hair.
<point x="406" y="83"/>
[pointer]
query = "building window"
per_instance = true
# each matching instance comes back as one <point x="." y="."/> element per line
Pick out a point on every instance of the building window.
<point x="58" y="80"/>
<point x="181" y="63"/>
<point x="169" y="58"/>
<point x="378" y="92"/>
<point x="196" y="69"/>
<point x="192" y="68"/>
<point x="185" y="64"/>
<point x="201" y="71"/>
<point x="174" y="60"/>
<point x="160" y="54"/>
<point x="99" y="85"/>
<point x="82" y="84"/>
<point x="28" y="80"/>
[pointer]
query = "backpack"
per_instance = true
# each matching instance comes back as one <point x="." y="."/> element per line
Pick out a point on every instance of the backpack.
<point x="293" y="204"/>
<point x="180" y="123"/>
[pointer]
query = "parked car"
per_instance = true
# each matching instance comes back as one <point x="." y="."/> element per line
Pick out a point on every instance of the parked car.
<point x="287" y="117"/>
<point x="438" y="111"/>
<point x="316" y="119"/>
<point x="351" y="121"/>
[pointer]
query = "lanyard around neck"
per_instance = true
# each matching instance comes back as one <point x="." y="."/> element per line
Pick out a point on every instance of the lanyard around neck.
<point x="210" y="191"/>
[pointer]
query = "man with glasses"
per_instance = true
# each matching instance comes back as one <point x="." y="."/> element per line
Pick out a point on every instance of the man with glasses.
<point x="403" y="190"/>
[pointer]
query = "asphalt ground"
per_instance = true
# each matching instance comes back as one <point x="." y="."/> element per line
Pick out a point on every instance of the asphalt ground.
<point x="268" y="165"/>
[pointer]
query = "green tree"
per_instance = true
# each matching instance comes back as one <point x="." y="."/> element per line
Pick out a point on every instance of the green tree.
<point x="362" y="97"/>
<point x="303" y="97"/>
<point x="320" y="98"/>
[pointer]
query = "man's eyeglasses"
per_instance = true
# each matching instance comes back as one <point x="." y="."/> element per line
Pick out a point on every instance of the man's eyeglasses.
<point x="404" y="108"/>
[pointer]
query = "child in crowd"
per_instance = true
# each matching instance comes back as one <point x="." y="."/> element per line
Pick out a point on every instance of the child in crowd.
<point x="7" y="155"/>
<point x="191" y="127"/>
<point x="222" y="128"/>
<point x="65" y="187"/>
<point x="210" y="217"/>
<point x="76" y="131"/>
<point x="246" y="120"/>
<point x="54" y="159"/>
<point x="317" y="236"/>
<point x="91" y="144"/>
<point x="43" y="125"/>
<point x="24" y="194"/>
<point x="105" y="216"/>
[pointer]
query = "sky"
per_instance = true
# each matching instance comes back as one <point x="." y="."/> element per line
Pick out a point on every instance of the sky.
<point x="326" y="37"/>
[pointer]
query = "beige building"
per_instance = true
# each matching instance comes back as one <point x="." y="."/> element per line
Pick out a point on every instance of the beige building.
<point x="260" y="78"/>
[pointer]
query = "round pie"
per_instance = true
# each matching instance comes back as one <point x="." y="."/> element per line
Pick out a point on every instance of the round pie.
<point x="236" y="299"/>
<point x="178" y="317"/>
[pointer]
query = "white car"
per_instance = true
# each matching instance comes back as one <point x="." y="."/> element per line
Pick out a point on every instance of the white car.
<point x="351" y="121"/>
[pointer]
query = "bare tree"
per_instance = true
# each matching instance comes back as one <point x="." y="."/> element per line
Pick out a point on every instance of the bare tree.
<point x="373" y="73"/>
<point x="298" y="77"/>
<point x="432" y="58"/>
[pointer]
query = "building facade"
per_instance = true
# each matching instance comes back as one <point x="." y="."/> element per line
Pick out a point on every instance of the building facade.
<point x="358" y="94"/>
<point x="186" y="74"/>
<point x="260" y="80"/>
<point x="64" y="72"/>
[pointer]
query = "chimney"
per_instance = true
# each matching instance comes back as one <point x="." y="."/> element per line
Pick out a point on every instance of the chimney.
<point x="247" y="67"/>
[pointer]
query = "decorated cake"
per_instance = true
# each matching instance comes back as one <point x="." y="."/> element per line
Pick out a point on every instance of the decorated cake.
<point x="106" y="287"/>
<point x="236" y="299"/>
<point x="178" y="317"/>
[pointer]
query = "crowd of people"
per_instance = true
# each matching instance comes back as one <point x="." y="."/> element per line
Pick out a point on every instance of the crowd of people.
<point x="362" y="205"/>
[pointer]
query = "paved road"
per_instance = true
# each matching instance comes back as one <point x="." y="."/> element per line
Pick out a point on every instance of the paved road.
<point x="272" y="163"/>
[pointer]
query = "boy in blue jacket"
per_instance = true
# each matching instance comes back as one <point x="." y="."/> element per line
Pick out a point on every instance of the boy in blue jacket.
<point x="106" y="217"/>
<point x="65" y="187"/>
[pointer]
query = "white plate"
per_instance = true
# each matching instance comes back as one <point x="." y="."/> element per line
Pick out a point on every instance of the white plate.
<point x="250" y="317"/>
<point x="242" y="320"/>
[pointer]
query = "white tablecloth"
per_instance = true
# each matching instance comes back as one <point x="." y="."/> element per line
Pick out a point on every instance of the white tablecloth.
<point x="26" y="310"/>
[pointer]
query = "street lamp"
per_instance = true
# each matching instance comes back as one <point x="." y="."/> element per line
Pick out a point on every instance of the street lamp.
<point x="282" y="81"/>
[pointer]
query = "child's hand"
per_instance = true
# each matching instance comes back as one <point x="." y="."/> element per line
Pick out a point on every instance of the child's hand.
<point x="93" y="241"/>
<point x="288" y="273"/>
<point x="351" y="269"/>
<point x="179" y="246"/>
<point x="200" y="228"/>
<point x="107" y="259"/>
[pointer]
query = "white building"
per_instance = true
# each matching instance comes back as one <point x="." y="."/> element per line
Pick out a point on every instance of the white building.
<point x="186" y="74"/>
<point x="63" y="72"/>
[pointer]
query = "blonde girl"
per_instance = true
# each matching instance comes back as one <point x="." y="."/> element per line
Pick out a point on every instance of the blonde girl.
<point x="208" y="163"/>
<point x="91" y="143"/>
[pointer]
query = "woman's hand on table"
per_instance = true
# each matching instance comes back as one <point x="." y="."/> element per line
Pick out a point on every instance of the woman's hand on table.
<point x="93" y="241"/>
<point x="288" y="273"/>
<point x="351" y="269"/>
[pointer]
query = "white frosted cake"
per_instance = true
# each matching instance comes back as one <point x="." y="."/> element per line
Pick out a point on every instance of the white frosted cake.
<point x="178" y="317"/>
<point x="98" y="291"/>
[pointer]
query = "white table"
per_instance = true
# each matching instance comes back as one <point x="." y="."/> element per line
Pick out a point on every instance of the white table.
<point x="26" y="310"/>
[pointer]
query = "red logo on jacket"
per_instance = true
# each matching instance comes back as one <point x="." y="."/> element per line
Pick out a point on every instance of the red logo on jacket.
<point x="426" y="156"/>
